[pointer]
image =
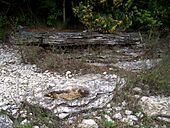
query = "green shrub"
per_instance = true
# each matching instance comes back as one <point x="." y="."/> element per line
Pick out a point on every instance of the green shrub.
<point x="107" y="16"/>
<point x="96" y="21"/>
<point x="109" y="124"/>
<point x="84" y="13"/>
<point x="3" y="20"/>
<point x="25" y="126"/>
<point x="26" y="19"/>
<point x="145" y="18"/>
<point x="156" y="80"/>
<point x="53" y="16"/>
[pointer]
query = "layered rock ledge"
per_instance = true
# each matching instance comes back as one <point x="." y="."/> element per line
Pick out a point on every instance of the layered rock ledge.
<point x="75" y="38"/>
<point x="20" y="82"/>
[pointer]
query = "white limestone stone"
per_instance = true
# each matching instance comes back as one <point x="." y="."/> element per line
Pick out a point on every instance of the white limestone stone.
<point x="88" y="123"/>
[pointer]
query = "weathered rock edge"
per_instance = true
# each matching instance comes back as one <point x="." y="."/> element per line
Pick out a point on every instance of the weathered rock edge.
<point x="101" y="89"/>
<point x="75" y="38"/>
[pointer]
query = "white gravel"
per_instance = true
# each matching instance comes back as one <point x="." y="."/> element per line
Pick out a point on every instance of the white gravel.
<point x="17" y="79"/>
<point x="19" y="82"/>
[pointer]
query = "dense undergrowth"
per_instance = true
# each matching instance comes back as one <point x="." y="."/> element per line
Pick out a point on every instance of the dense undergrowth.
<point x="104" y="16"/>
<point x="155" y="80"/>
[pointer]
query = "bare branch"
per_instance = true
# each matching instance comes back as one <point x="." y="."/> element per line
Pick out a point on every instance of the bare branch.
<point x="5" y="2"/>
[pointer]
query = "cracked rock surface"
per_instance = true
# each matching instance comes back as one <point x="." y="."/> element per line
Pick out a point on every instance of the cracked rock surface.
<point x="101" y="91"/>
<point x="156" y="106"/>
<point x="23" y="82"/>
<point x="20" y="82"/>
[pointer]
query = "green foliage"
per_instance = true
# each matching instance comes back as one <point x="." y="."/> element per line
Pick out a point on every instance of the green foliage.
<point x="106" y="16"/>
<point x="109" y="124"/>
<point x="160" y="10"/>
<point x="156" y="80"/>
<point x="115" y="14"/>
<point x="28" y="125"/>
<point x="105" y="23"/>
<point x="3" y="20"/>
<point x="124" y="13"/>
<point x="96" y="21"/>
<point x="45" y="4"/>
<point x="133" y="15"/>
<point x="145" y="17"/>
<point x="25" y="19"/>
<point x="53" y="16"/>
<point x="84" y="13"/>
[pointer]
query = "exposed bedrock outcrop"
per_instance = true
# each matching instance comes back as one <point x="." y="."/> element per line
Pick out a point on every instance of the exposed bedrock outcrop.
<point x="76" y="38"/>
<point x="101" y="91"/>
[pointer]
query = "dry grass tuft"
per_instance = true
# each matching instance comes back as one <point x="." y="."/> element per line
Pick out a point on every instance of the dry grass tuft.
<point x="49" y="60"/>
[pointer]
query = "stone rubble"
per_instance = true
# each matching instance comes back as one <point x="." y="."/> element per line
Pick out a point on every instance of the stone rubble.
<point x="136" y="66"/>
<point x="23" y="82"/>
<point x="156" y="106"/>
<point x="5" y="122"/>
<point x="25" y="121"/>
<point x="108" y="118"/>
<point x="117" y="116"/>
<point x="88" y="123"/>
<point x="137" y="90"/>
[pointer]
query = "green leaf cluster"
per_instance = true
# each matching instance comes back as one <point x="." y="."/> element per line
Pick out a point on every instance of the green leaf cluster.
<point x="53" y="16"/>
<point x="107" y="16"/>
<point x="96" y="21"/>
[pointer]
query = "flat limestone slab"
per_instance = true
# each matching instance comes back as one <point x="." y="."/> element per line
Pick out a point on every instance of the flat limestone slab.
<point x="101" y="90"/>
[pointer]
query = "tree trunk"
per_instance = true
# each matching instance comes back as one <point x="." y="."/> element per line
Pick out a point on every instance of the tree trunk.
<point x="64" y="11"/>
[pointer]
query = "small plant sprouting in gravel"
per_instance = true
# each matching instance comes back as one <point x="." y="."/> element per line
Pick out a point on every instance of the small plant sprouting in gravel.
<point x="28" y="125"/>
<point x="109" y="124"/>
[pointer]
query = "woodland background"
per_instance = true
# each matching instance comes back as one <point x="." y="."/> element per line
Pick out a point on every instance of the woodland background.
<point x="105" y="16"/>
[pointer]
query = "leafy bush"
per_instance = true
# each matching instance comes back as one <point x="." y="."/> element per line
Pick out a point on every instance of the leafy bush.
<point x="145" y="17"/>
<point x="106" y="16"/>
<point x="96" y="21"/>
<point x="105" y="23"/>
<point x="25" y="19"/>
<point x="84" y="13"/>
<point x="3" y="20"/>
<point x="114" y="14"/>
<point x="156" y="80"/>
<point x="53" y="16"/>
